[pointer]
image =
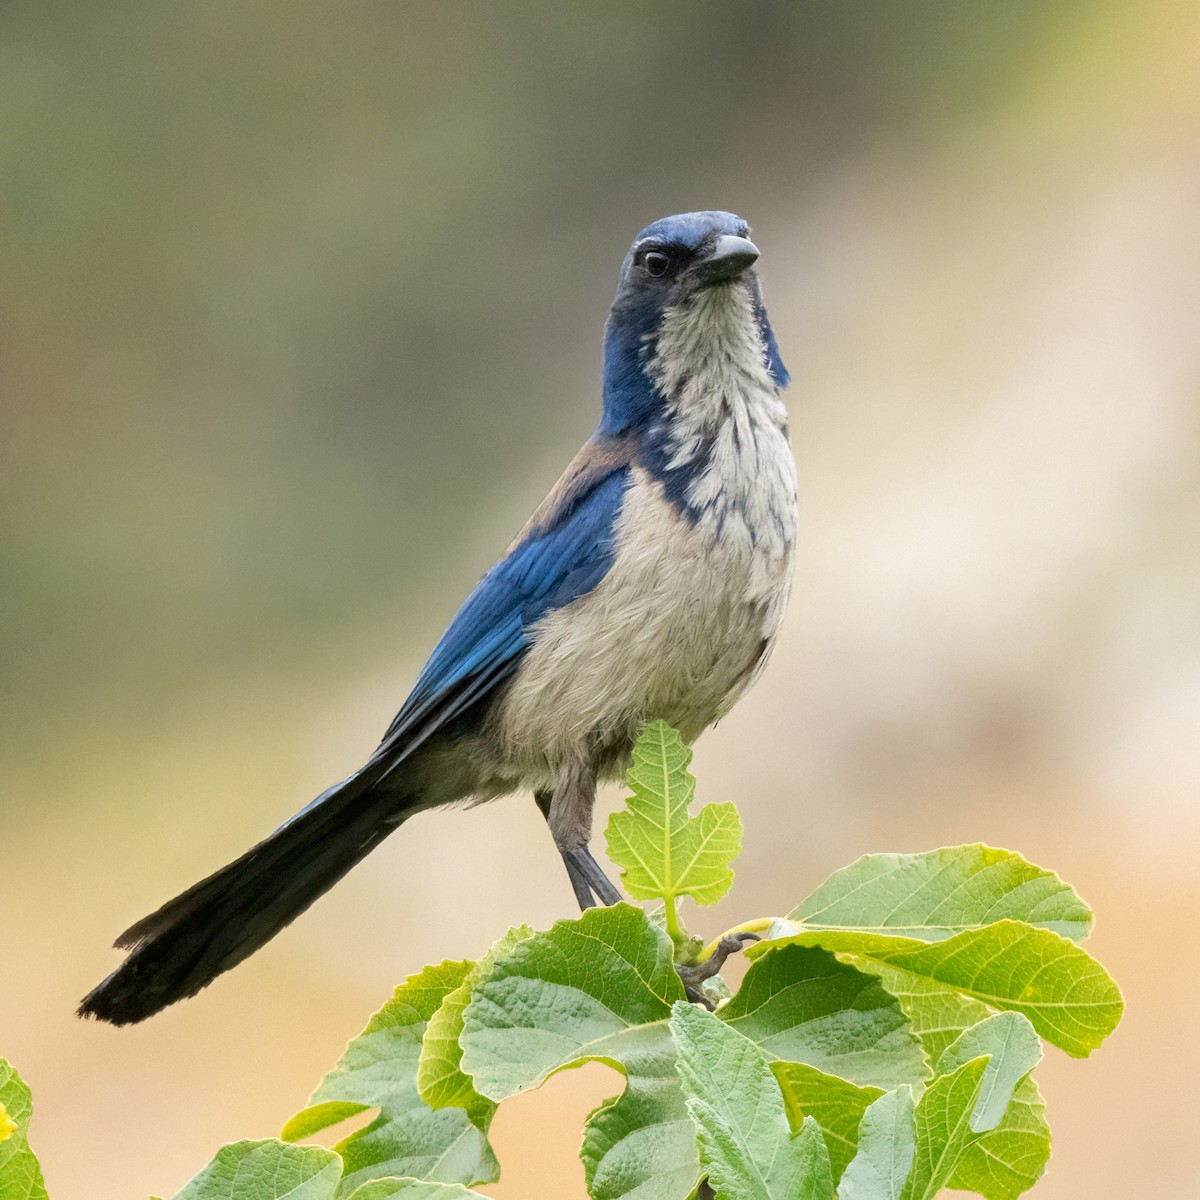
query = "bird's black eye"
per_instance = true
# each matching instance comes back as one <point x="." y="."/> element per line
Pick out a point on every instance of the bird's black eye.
<point x="657" y="263"/>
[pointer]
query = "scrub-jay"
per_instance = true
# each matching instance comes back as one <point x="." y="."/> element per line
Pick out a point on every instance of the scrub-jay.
<point x="650" y="583"/>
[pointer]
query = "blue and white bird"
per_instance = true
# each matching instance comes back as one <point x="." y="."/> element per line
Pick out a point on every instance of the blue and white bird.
<point x="650" y="583"/>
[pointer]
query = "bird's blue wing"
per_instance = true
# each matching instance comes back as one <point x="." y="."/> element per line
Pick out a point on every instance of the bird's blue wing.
<point x="564" y="552"/>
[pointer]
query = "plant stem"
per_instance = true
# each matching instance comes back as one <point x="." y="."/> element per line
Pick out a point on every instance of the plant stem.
<point x="759" y="925"/>
<point x="676" y="931"/>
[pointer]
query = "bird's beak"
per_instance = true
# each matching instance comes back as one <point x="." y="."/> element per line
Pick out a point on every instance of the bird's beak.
<point x="729" y="257"/>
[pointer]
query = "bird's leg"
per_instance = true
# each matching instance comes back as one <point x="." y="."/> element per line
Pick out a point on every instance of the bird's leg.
<point x="600" y="883"/>
<point x="583" y="894"/>
<point x="570" y="820"/>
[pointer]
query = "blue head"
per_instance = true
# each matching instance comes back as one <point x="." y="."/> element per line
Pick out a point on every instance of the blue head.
<point x="669" y="266"/>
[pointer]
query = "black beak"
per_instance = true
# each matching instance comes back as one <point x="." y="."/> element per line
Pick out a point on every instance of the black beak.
<point x="729" y="257"/>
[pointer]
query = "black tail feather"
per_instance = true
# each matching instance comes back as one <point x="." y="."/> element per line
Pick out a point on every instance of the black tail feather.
<point x="223" y="919"/>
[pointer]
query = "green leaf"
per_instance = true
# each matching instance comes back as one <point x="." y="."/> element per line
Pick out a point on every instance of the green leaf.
<point x="641" y="1145"/>
<point x="413" y="1189"/>
<point x="911" y="1154"/>
<point x="20" y="1174"/>
<point x="1070" y="998"/>
<point x="591" y="989"/>
<point x="938" y="1014"/>
<point x="747" y="1148"/>
<point x="663" y="851"/>
<point x="935" y="895"/>
<point x="1011" y="1158"/>
<point x="800" y="1004"/>
<point x="836" y="1105"/>
<point x="943" y="1128"/>
<point x="1013" y="1050"/>
<point x="887" y="1144"/>
<point x="378" y="1070"/>
<point x="268" y="1170"/>
<point x="599" y="988"/>
<point x="441" y="1081"/>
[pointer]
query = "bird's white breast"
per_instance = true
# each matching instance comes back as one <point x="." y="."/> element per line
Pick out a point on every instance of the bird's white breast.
<point x="725" y="410"/>
<point x="684" y="619"/>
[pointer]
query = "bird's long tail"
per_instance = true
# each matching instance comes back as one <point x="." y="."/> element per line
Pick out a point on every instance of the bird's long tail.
<point x="216" y="923"/>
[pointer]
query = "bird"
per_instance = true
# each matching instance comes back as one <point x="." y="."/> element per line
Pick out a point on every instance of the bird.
<point x="649" y="584"/>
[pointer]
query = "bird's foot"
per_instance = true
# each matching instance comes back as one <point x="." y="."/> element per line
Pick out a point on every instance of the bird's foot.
<point x="579" y="884"/>
<point x="694" y="975"/>
<point x="586" y="876"/>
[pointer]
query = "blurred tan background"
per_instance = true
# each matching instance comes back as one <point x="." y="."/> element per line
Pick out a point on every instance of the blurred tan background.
<point x="300" y="311"/>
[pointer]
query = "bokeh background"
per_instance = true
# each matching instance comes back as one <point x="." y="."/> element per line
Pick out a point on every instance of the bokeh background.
<point x="300" y="311"/>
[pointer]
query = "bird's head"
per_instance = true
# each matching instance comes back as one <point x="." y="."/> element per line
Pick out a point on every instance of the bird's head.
<point x="680" y="268"/>
<point x="676" y="257"/>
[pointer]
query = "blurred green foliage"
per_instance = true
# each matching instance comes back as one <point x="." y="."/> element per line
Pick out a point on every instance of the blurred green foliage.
<point x="288" y="291"/>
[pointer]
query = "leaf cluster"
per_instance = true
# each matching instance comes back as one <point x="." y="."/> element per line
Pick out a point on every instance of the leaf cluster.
<point x="880" y="1046"/>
